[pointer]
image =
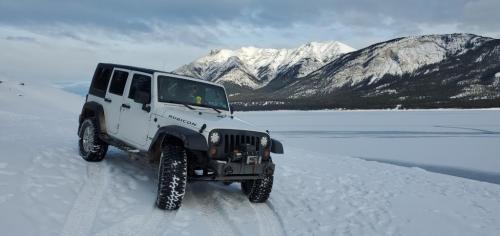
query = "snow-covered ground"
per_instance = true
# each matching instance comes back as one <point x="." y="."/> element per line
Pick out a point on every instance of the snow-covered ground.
<point x="47" y="189"/>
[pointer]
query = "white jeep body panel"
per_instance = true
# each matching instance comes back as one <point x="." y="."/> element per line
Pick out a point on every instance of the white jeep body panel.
<point x="112" y="106"/>
<point x="176" y="114"/>
<point x="134" y="121"/>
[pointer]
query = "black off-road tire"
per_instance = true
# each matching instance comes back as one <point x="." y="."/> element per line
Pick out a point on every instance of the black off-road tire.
<point x="258" y="190"/>
<point x="172" y="177"/>
<point x="92" y="148"/>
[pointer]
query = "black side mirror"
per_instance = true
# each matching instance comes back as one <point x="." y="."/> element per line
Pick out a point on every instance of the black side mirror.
<point x="231" y="108"/>
<point x="143" y="98"/>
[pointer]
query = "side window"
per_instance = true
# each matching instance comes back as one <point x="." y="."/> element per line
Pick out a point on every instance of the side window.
<point x="140" y="84"/>
<point x="118" y="82"/>
<point x="100" y="81"/>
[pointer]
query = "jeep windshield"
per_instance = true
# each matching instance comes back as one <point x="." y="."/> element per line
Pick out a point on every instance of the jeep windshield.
<point x="189" y="92"/>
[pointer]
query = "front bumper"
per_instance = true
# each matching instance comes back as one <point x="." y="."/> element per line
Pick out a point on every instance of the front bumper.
<point x="237" y="156"/>
<point x="237" y="171"/>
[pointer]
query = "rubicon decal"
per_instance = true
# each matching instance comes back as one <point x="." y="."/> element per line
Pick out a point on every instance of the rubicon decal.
<point x="187" y="122"/>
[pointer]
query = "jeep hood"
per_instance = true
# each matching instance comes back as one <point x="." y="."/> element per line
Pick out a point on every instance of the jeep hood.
<point x="193" y="120"/>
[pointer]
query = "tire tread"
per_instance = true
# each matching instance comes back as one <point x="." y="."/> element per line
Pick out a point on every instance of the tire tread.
<point x="172" y="177"/>
<point x="100" y="147"/>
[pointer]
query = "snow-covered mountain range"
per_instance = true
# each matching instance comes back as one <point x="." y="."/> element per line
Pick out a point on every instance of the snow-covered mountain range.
<point x="449" y="70"/>
<point x="253" y="68"/>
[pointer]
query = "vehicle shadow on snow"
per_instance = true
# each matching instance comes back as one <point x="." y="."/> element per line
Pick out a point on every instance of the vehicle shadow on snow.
<point x="212" y="205"/>
<point x="134" y="166"/>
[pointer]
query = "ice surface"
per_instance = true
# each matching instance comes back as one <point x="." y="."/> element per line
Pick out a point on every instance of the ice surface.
<point x="454" y="140"/>
<point x="47" y="189"/>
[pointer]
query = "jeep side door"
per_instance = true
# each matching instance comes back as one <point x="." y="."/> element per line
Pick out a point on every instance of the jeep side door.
<point x="113" y="101"/>
<point x="135" y="117"/>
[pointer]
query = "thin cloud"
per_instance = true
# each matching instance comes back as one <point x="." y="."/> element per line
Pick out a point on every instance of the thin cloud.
<point x="20" y="38"/>
<point x="70" y="37"/>
<point x="135" y="16"/>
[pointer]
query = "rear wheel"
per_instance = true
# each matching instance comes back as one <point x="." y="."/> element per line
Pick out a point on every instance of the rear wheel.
<point x="258" y="190"/>
<point x="92" y="148"/>
<point x="172" y="177"/>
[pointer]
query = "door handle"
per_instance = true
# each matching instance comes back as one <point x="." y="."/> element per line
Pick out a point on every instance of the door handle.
<point x="107" y="100"/>
<point x="126" y="106"/>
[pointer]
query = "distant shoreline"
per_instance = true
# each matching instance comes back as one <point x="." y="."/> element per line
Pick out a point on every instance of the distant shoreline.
<point x="78" y="89"/>
<point x="375" y="110"/>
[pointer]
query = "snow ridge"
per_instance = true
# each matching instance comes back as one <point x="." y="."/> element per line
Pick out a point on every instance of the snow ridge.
<point x="406" y="55"/>
<point x="395" y="57"/>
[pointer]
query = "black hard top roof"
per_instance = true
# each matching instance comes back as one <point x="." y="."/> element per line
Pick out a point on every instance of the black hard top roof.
<point x="144" y="70"/>
<point x="150" y="71"/>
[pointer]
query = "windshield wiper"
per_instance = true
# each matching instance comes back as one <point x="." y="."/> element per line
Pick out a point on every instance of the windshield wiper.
<point x="192" y="108"/>
<point x="217" y="110"/>
<point x="188" y="106"/>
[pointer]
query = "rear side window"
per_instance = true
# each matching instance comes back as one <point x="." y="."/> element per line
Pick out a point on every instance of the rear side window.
<point x="140" y="83"/>
<point x="118" y="82"/>
<point x="100" y="81"/>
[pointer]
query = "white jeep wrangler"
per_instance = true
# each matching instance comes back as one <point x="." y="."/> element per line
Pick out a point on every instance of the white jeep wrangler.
<point x="187" y="123"/>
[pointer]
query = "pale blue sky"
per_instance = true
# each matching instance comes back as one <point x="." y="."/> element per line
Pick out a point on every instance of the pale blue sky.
<point x="62" y="40"/>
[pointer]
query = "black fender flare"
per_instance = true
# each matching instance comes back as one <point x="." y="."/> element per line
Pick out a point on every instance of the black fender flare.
<point x="191" y="139"/>
<point x="276" y="147"/>
<point x="98" y="112"/>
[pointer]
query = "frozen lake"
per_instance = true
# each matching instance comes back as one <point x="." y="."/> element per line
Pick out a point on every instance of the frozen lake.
<point x="463" y="143"/>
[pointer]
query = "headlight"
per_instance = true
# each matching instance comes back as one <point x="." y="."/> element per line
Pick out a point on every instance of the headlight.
<point x="263" y="141"/>
<point x="215" y="138"/>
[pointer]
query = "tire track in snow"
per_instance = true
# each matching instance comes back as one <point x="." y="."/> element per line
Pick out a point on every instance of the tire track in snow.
<point x="277" y="217"/>
<point x="216" y="221"/>
<point x="269" y="222"/>
<point x="80" y="219"/>
<point x="125" y="227"/>
<point x="154" y="223"/>
<point x="157" y="222"/>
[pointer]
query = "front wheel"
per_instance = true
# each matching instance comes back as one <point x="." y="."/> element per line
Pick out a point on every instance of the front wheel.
<point x="172" y="177"/>
<point x="92" y="148"/>
<point x="258" y="190"/>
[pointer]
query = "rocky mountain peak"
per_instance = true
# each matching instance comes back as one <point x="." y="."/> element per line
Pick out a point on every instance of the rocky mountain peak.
<point x="263" y="64"/>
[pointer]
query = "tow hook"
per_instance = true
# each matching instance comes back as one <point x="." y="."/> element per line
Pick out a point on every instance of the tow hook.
<point x="203" y="127"/>
<point x="228" y="170"/>
<point x="269" y="171"/>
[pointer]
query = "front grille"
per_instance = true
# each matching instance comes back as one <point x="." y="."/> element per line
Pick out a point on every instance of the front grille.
<point x="234" y="142"/>
<point x="245" y="142"/>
